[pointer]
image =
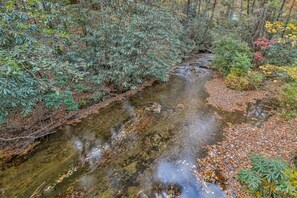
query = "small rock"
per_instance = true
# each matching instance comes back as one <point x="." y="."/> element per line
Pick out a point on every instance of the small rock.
<point x="180" y="106"/>
<point x="156" y="108"/>
<point x="147" y="109"/>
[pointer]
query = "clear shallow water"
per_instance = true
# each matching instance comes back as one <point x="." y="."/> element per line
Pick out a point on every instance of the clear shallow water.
<point x="146" y="146"/>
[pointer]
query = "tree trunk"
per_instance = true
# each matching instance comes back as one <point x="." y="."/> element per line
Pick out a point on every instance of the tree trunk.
<point x="188" y="7"/>
<point x="280" y="10"/>
<point x="210" y="20"/>
<point x="248" y="7"/>
<point x="253" y="6"/>
<point x="73" y="1"/>
<point x="241" y="7"/>
<point x="199" y="8"/>
<point x="288" y="19"/>
<point x="196" y="7"/>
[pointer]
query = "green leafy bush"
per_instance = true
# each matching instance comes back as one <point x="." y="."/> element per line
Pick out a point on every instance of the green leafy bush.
<point x="230" y="53"/>
<point x="81" y="88"/>
<point x="283" y="73"/>
<point x="100" y="95"/>
<point x="289" y="99"/>
<point x="30" y="67"/>
<point x="239" y="80"/>
<point x="130" y="43"/>
<point x="255" y="79"/>
<point x="280" y="54"/>
<point x="56" y="99"/>
<point x="83" y="103"/>
<point x="43" y="49"/>
<point x="18" y="91"/>
<point x="197" y="34"/>
<point x="269" y="178"/>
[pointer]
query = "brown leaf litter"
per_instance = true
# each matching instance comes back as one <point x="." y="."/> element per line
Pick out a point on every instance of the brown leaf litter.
<point x="277" y="137"/>
<point x="230" y="100"/>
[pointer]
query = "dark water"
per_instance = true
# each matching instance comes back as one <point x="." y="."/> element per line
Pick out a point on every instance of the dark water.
<point x="146" y="146"/>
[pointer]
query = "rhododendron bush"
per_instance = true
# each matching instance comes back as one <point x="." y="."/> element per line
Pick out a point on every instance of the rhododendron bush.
<point x="279" y="46"/>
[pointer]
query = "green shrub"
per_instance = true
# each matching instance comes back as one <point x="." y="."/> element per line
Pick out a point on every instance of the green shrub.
<point x="19" y="91"/>
<point x="235" y="80"/>
<point x="255" y="79"/>
<point x="100" y="94"/>
<point x="241" y="61"/>
<point x="288" y="99"/>
<point x="60" y="47"/>
<point x="30" y="63"/>
<point x="81" y="88"/>
<point x="197" y="33"/>
<point x="132" y="42"/>
<point x="269" y="178"/>
<point x="56" y="99"/>
<point x="280" y="54"/>
<point x="239" y="80"/>
<point x="230" y="53"/>
<point x="83" y="103"/>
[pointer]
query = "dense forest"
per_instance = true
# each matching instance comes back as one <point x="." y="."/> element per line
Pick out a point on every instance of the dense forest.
<point x="59" y="57"/>
<point x="50" y="51"/>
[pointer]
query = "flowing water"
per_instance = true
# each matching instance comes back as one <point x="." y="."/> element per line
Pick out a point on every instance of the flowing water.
<point x="145" y="146"/>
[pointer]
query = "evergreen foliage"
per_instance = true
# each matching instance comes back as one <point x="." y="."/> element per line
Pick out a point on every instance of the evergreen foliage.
<point x="30" y="67"/>
<point x="269" y="178"/>
<point x="129" y="43"/>
<point x="45" y="50"/>
<point x="289" y="99"/>
<point x="231" y="54"/>
<point x="280" y="54"/>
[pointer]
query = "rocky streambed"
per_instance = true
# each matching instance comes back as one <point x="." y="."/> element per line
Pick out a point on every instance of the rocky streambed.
<point x="145" y="146"/>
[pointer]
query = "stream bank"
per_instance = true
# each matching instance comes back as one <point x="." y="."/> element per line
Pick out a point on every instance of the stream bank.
<point x="144" y="146"/>
<point x="264" y="132"/>
<point x="17" y="146"/>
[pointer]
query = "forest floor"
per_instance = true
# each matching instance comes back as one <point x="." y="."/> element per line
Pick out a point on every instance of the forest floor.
<point x="276" y="137"/>
<point x="19" y="139"/>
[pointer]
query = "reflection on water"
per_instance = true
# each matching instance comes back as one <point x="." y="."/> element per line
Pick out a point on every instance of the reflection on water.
<point x="143" y="147"/>
<point x="177" y="180"/>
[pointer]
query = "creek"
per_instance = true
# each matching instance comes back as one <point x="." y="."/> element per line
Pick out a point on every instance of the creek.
<point x="144" y="146"/>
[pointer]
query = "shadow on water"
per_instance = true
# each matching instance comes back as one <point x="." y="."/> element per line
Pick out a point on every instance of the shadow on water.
<point x="146" y="146"/>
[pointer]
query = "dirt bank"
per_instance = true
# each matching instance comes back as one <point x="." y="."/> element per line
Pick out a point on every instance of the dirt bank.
<point x="230" y="100"/>
<point x="277" y="137"/>
<point x="16" y="143"/>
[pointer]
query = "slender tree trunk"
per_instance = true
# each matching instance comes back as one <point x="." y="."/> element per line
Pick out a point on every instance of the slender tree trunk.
<point x="210" y="20"/>
<point x="261" y="23"/>
<point x="248" y="7"/>
<point x="230" y="8"/>
<point x="188" y="7"/>
<point x="196" y="7"/>
<point x="199" y="8"/>
<point x="73" y="1"/>
<point x="206" y="6"/>
<point x="241" y="7"/>
<point x="253" y="7"/>
<point x="280" y="10"/>
<point x="288" y="19"/>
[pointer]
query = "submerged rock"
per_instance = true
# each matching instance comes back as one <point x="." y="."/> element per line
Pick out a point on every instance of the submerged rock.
<point x="180" y="106"/>
<point x="156" y="108"/>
